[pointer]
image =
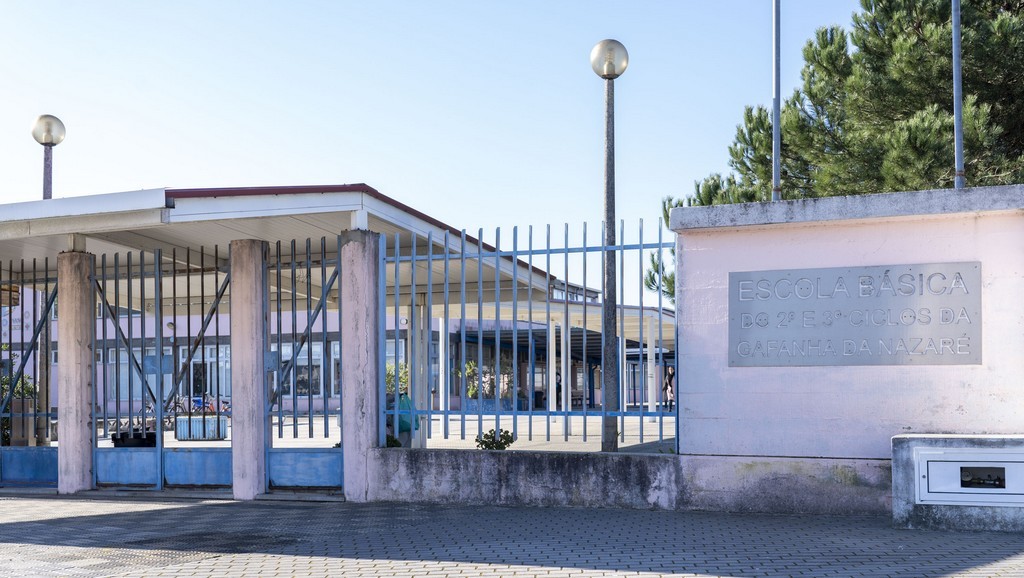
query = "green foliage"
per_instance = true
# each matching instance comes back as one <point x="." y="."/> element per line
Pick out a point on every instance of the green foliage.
<point x="874" y="112"/>
<point x="492" y="441"/>
<point x="477" y="377"/>
<point x="402" y="374"/>
<point x="879" y="118"/>
<point x="25" y="388"/>
<point x="392" y="442"/>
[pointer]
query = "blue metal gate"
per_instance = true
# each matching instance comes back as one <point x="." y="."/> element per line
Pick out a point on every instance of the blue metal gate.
<point x="28" y="296"/>
<point x="162" y="370"/>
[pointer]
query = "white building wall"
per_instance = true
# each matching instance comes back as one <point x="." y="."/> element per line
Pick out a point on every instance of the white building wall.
<point x="742" y="427"/>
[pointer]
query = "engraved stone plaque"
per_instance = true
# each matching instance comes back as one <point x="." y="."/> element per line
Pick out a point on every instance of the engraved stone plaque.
<point x="925" y="314"/>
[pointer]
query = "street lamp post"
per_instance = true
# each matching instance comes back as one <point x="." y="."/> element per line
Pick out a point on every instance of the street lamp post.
<point x="49" y="132"/>
<point x="609" y="59"/>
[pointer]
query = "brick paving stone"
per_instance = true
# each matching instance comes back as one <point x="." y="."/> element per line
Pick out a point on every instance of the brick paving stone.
<point x="98" y="536"/>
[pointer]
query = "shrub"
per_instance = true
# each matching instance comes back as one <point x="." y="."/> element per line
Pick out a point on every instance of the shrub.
<point x="492" y="441"/>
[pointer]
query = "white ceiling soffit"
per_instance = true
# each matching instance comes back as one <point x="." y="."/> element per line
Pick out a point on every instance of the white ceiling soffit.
<point x="84" y="215"/>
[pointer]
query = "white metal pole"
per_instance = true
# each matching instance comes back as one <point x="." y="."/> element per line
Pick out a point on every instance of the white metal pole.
<point x="959" y="180"/>
<point x="776" y="108"/>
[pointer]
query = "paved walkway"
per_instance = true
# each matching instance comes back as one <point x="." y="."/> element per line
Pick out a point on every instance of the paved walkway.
<point x="51" y="536"/>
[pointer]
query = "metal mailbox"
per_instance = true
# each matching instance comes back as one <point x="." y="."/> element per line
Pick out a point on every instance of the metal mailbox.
<point x="970" y="476"/>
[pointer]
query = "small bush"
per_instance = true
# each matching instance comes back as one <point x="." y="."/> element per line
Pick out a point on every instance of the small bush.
<point x="492" y="441"/>
<point x="392" y="442"/>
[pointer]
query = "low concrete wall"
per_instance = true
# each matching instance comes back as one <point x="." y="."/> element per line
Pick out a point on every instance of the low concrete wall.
<point x="636" y="481"/>
<point x="526" y="478"/>
<point x="786" y="485"/>
<point x="908" y="514"/>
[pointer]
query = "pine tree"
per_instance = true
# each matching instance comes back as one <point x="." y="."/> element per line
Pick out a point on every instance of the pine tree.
<point x="874" y="112"/>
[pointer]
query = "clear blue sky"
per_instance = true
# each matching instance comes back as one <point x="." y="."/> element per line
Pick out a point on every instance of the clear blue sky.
<point x="482" y="114"/>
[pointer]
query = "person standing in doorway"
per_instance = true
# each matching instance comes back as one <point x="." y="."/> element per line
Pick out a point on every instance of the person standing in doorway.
<point x="669" y="387"/>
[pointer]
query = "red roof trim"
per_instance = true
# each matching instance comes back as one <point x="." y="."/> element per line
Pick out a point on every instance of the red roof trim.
<point x="251" y="191"/>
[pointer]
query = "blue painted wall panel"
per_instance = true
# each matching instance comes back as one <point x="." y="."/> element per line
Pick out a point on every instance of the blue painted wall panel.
<point x="28" y="466"/>
<point x="126" y="466"/>
<point x="197" y="466"/>
<point x="305" y="468"/>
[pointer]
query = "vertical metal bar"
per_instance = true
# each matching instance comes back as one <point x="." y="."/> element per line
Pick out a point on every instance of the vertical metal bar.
<point x="566" y="342"/>
<point x="203" y="366"/>
<point x="175" y="387"/>
<point x="276" y="338"/>
<point x="776" y="108"/>
<point x="145" y="390"/>
<point x="129" y="279"/>
<point x="279" y="331"/>
<point x="5" y="345"/>
<point x="550" y="390"/>
<point x="188" y="361"/>
<point x="480" y="331"/>
<point x="497" y="332"/>
<point x="294" y="353"/>
<point x="47" y="397"/>
<point x="381" y="336"/>
<point x="37" y="353"/>
<point x="446" y="336"/>
<point x="158" y="404"/>
<point x="399" y="354"/>
<point x="326" y="359"/>
<point x="33" y="350"/>
<point x="515" y="333"/>
<point x="309" y="339"/>
<point x="586" y="359"/>
<point x="217" y="389"/>
<point x="647" y="388"/>
<point x="429" y="385"/>
<point x="463" y="391"/>
<point x="605" y="352"/>
<point x="9" y="367"/>
<point x="105" y="352"/>
<point x="337" y="377"/>
<point x="621" y="358"/>
<point x="532" y="350"/>
<point x="23" y="348"/>
<point x="94" y="395"/>
<point x="117" y="343"/>
<point x="661" y="334"/>
<point x="959" y="180"/>
<point x="414" y="337"/>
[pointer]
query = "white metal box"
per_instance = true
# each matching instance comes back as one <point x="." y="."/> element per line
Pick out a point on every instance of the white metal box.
<point x="970" y="476"/>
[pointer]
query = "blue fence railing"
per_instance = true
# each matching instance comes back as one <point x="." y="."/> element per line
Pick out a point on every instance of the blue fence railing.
<point x="479" y="336"/>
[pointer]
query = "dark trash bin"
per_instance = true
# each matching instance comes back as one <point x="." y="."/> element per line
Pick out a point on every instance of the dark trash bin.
<point x="134" y="439"/>
<point x="539" y="397"/>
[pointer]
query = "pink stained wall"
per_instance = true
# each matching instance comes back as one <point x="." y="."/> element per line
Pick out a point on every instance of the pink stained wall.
<point x="842" y="411"/>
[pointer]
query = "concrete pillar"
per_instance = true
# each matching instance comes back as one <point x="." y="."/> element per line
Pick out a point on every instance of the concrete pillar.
<point x="360" y="355"/>
<point x="249" y="424"/>
<point x="75" y="327"/>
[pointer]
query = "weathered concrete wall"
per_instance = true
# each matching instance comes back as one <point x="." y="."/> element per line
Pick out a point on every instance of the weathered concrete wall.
<point x="821" y="416"/>
<point x="908" y="514"/>
<point x="635" y="481"/>
<point x="785" y="485"/>
<point x="527" y="478"/>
